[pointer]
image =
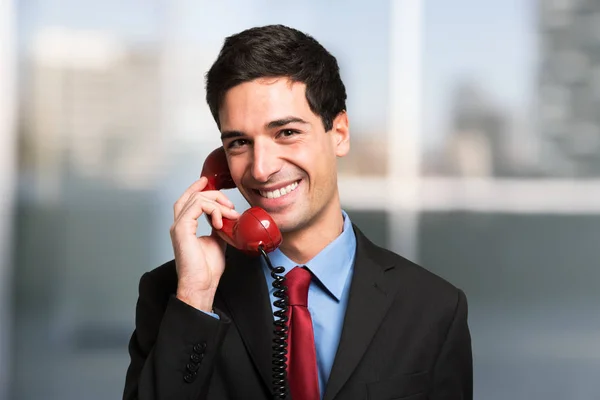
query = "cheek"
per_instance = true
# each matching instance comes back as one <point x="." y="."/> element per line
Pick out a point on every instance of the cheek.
<point x="316" y="160"/>
<point x="237" y="170"/>
<point x="327" y="160"/>
<point x="322" y="172"/>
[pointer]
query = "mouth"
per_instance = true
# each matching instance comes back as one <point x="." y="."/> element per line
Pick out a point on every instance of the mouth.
<point x="279" y="192"/>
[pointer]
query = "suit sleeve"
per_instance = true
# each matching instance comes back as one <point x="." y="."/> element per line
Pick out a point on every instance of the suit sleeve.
<point x="173" y="347"/>
<point x="453" y="371"/>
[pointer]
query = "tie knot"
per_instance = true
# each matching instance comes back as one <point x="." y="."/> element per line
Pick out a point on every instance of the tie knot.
<point x="298" y="281"/>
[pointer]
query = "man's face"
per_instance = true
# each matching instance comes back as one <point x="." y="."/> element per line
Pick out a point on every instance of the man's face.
<point x="280" y="156"/>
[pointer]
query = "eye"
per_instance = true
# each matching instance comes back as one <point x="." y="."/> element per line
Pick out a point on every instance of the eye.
<point x="235" y="144"/>
<point x="287" y="133"/>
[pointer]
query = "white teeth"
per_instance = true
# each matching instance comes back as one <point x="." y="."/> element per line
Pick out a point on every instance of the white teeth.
<point x="279" y="192"/>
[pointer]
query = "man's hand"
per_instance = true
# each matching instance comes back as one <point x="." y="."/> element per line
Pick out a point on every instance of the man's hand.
<point x="200" y="261"/>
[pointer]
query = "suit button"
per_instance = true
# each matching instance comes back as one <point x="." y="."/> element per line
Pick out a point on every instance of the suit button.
<point x="196" y="358"/>
<point x="192" y="367"/>
<point x="200" y="347"/>
<point x="189" y="378"/>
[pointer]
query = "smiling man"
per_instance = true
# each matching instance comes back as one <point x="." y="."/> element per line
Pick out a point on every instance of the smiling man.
<point x="364" y="322"/>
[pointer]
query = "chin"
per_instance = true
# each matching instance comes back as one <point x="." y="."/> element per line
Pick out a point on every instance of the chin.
<point x="290" y="223"/>
<point x="285" y="225"/>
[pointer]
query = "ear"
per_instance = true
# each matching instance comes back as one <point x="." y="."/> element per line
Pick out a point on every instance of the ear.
<point x="340" y="134"/>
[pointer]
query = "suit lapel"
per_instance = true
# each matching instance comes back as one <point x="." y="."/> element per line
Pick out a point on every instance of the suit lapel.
<point x="244" y="290"/>
<point x="370" y="297"/>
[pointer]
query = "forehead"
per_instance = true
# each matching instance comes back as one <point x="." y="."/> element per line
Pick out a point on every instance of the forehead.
<point x="255" y="103"/>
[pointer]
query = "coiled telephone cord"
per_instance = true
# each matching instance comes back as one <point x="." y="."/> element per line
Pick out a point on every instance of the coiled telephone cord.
<point x="280" y="329"/>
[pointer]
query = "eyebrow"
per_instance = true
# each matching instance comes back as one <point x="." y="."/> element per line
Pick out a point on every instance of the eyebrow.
<point x="278" y="123"/>
<point x="231" y="134"/>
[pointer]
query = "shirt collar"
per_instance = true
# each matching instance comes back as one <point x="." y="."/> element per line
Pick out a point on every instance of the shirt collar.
<point x="331" y="266"/>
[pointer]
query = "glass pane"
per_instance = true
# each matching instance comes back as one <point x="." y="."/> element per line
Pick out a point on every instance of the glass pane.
<point x="90" y="158"/>
<point x="532" y="286"/>
<point x="373" y="223"/>
<point x="511" y="88"/>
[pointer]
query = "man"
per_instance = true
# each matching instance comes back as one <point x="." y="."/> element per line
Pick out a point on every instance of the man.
<point x="382" y="327"/>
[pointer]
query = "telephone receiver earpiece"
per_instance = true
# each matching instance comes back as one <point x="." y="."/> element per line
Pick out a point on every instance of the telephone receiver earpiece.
<point x="254" y="228"/>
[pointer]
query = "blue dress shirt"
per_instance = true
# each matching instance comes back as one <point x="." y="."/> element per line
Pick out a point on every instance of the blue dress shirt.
<point x="327" y="294"/>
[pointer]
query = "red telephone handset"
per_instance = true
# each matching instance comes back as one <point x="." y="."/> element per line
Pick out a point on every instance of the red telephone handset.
<point x="255" y="227"/>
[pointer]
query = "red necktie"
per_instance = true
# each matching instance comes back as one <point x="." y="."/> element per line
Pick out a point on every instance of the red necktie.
<point x="302" y="355"/>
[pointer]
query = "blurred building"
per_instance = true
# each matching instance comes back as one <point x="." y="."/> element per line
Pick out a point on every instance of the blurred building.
<point x="91" y="109"/>
<point x="91" y="152"/>
<point x="367" y="157"/>
<point x="478" y="142"/>
<point x="569" y="91"/>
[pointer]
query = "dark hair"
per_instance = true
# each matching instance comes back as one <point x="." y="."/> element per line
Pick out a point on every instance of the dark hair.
<point x="278" y="51"/>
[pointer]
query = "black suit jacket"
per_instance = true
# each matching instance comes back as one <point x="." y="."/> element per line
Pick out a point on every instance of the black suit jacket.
<point x="405" y="336"/>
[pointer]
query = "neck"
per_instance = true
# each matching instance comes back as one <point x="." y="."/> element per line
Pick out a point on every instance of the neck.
<point x="304" y="244"/>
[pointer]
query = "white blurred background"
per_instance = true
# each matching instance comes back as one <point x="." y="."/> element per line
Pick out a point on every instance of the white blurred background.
<point x="475" y="152"/>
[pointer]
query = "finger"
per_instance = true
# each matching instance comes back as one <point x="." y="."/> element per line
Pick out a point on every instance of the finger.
<point x="195" y="207"/>
<point x="187" y="221"/>
<point x="190" y="194"/>
<point x="220" y="198"/>
<point x="199" y="205"/>
<point x="195" y="187"/>
<point x="217" y="218"/>
<point x="215" y="195"/>
<point x="224" y="211"/>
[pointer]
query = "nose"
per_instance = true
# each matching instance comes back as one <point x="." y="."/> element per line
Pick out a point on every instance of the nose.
<point x="265" y="162"/>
